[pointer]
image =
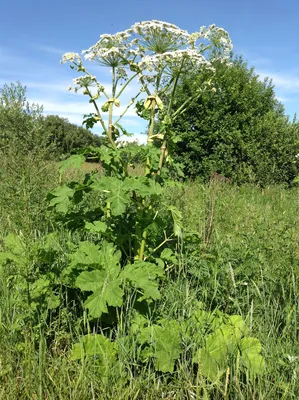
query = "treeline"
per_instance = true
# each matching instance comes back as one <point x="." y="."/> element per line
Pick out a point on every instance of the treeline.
<point x="24" y="129"/>
<point x="236" y="127"/>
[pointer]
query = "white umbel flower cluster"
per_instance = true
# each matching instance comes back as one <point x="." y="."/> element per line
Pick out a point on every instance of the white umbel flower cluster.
<point x="155" y="49"/>
<point x="172" y="60"/>
<point x="149" y="38"/>
<point x="71" y="57"/>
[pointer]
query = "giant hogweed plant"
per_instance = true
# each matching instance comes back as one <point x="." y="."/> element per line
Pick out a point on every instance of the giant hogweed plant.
<point x="129" y="217"/>
<point x="123" y="238"/>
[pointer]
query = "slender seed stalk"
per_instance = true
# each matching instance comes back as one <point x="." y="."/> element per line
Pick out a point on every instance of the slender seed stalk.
<point x="126" y="84"/>
<point x="127" y="108"/>
<point x="97" y="110"/>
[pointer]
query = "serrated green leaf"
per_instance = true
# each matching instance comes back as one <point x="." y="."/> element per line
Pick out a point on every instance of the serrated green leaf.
<point x="217" y="345"/>
<point x="51" y="242"/>
<point x="160" y="341"/>
<point x="87" y="254"/>
<point x="110" y="258"/>
<point x="96" y="227"/>
<point x="53" y="301"/>
<point x="106" y="288"/>
<point x="138" y="323"/>
<point x="39" y="287"/>
<point x="17" y="250"/>
<point x="98" y="347"/>
<point x="117" y="193"/>
<point x="61" y="199"/>
<point x="167" y="254"/>
<point x="207" y="364"/>
<point x="14" y="243"/>
<point x="167" y="346"/>
<point x="143" y="275"/>
<point x="90" y="254"/>
<point x="119" y="198"/>
<point x="177" y="220"/>
<point x="239" y="326"/>
<point x="251" y="357"/>
<point x="144" y="186"/>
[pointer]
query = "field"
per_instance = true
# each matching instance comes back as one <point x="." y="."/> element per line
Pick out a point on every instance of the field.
<point x="239" y="256"/>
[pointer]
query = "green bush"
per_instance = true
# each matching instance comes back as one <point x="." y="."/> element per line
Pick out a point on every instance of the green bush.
<point x="237" y="128"/>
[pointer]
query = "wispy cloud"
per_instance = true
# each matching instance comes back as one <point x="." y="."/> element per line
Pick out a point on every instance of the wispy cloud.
<point x="48" y="49"/>
<point x="284" y="99"/>
<point x="285" y="80"/>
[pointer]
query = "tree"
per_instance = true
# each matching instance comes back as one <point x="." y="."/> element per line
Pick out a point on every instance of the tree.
<point x="20" y="121"/>
<point x="237" y="129"/>
<point x="68" y="137"/>
<point x="23" y="128"/>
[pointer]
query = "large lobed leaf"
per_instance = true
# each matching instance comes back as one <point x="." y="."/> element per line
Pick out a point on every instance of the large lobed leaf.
<point x="106" y="288"/>
<point x="104" y="281"/>
<point x="143" y="275"/>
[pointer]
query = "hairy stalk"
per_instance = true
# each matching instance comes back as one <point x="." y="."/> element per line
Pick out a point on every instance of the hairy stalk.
<point x="140" y="241"/>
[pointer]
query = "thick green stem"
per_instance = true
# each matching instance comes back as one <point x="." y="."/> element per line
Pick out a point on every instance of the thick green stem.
<point x="142" y="245"/>
<point x="110" y="117"/>
<point x="162" y="156"/>
<point x="149" y="135"/>
<point x="140" y="242"/>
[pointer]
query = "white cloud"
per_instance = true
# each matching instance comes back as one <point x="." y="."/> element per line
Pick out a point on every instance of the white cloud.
<point x="283" y="99"/>
<point x="77" y="107"/>
<point x="281" y="80"/>
<point x="48" y="49"/>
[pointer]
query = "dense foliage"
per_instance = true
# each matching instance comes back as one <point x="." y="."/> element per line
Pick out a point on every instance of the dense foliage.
<point x="67" y="137"/>
<point x="237" y="129"/>
<point x="23" y="128"/>
<point x="20" y="121"/>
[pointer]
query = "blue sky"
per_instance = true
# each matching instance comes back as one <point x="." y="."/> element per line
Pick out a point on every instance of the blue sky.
<point x="35" y="33"/>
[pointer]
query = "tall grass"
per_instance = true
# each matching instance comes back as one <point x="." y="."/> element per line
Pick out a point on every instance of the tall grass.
<point x="240" y="255"/>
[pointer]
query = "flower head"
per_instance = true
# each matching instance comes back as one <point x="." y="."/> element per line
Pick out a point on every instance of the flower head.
<point x="71" y="57"/>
